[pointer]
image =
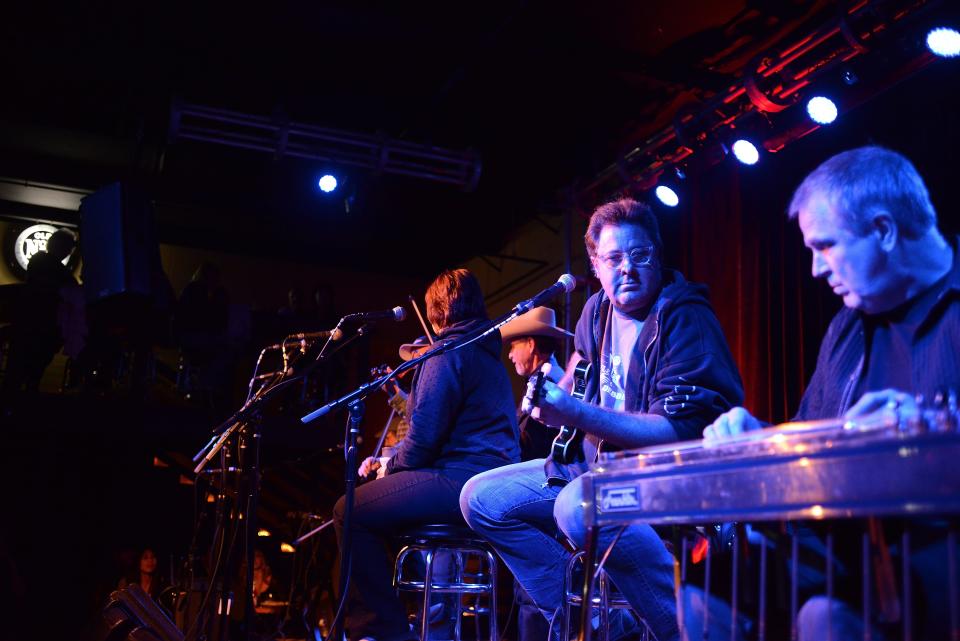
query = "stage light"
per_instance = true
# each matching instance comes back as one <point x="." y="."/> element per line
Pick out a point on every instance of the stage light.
<point x="327" y="183"/>
<point x="821" y="110"/>
<point x="746" y="152"/>
<point x="944" y="42"/>
<point x="667" y="196"/>
<point x="286" y="548"/>
<point x="263" y="532"/>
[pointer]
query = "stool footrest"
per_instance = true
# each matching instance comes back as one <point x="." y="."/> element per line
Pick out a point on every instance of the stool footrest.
<point x="614" y="602"/>
<point x="445" y="587"/>
<point x="469" y="570"/>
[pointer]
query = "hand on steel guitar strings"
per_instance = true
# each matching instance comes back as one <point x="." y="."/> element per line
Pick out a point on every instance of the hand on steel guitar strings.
<point x="902" y="404"/>
<point x="731" y="423"/>
<point x="739" y="420"/>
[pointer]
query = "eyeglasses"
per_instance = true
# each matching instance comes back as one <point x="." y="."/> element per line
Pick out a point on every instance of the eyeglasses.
<point x="638" y="257"/>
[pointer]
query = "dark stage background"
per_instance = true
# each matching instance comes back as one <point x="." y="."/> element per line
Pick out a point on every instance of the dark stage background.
<point x="77" y="478"/>
<point x="736" y="237"/>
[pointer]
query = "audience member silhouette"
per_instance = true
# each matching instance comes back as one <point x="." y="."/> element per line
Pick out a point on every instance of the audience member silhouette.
<point x="145" y="574"/>
<point x="35" y="336"/>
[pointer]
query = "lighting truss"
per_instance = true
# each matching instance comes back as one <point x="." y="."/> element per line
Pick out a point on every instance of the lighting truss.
<point x="300" y="140"/>
<point x="775" y="81"/>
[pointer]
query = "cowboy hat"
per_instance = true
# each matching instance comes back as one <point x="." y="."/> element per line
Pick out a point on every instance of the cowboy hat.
<point x="407" y="349"/>
<point x="539" y="321"/>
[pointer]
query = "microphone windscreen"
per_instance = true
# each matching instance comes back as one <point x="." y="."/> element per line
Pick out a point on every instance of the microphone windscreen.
<point x="569" y="282"/>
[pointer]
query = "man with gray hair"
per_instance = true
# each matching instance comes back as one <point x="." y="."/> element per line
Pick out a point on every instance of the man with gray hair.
<point x="866" y="216"/>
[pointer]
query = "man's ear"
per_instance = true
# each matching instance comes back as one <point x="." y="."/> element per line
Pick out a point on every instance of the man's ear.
<point x="885" y="227"/>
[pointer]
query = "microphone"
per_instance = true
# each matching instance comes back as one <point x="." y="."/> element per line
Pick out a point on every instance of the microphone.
<point x="397" y="314"/>
<point x="566" y="283"/>
<point x="334" y="334"/>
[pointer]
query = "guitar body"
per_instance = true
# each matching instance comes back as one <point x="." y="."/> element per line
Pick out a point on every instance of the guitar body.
<point x="566" y="446"/>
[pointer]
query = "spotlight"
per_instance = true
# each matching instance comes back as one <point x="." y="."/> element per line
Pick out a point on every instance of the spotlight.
<point x="821" y="110"/>
<point x="746" y="152"/>
<point x="327" y="183"/>
<point x="944" y="42"/>
<point x="667" y="196"/>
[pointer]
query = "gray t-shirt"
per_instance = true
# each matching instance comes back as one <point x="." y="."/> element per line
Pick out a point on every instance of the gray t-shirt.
<point x="619" y="340"/>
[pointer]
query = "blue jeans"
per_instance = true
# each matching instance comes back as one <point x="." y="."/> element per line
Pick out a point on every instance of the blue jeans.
<point x="382" y="508"/>
<point x="515" y="509"/>
<point x="531" y="626"/>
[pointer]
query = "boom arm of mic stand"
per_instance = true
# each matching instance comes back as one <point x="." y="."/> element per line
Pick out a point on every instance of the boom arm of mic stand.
<point x="229" y="426"/>
<point x="324" y="355"/>
<point x="224" y="435"/>
<point x="441" y="347"/>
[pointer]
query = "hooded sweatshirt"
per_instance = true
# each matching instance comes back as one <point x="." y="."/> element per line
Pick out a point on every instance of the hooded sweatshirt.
<point x="461" y="409"/>
<point x="681" y="344"/>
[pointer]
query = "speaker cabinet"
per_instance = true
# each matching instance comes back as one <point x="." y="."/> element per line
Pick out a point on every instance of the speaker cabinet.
<point x="118" y="242"/>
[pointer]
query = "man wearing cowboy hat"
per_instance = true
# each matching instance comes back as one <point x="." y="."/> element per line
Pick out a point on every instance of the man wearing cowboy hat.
<point x="397" y="397"/>
<point x="534" y="339"/>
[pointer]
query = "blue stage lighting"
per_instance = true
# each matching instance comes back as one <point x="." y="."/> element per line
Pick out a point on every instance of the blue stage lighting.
<point x="327" y="183"/>
<point x="667" y="196"/>
<point x="944" y="42"/>
<point x="746" y="152"/>
<point x="822" y="110"/>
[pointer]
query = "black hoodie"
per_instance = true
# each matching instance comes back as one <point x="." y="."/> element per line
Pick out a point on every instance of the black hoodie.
<point x="681" y="344"/>
<point x="461" y="410"/>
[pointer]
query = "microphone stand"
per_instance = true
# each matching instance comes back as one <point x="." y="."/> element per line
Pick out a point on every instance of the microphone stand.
<point x="220" y="433"/>
<point x="354" y="401"/>
<point x="246" y="422"/>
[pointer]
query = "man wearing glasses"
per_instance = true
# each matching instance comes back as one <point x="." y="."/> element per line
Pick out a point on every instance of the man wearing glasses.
<point x="661" y="371"/>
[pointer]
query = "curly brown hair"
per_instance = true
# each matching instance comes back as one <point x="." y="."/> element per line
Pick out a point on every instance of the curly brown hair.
<point x="454" y="296"/>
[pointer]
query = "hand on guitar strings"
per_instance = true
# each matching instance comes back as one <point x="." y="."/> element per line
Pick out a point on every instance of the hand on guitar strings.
<point x="547" y="402"/>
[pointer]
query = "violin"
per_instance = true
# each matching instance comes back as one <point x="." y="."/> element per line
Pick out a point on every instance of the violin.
<point x="383" y="370"/>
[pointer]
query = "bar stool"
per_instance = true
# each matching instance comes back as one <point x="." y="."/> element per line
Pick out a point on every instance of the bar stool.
<point x="606" y="597"/>
<point x="474" y="572"/>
